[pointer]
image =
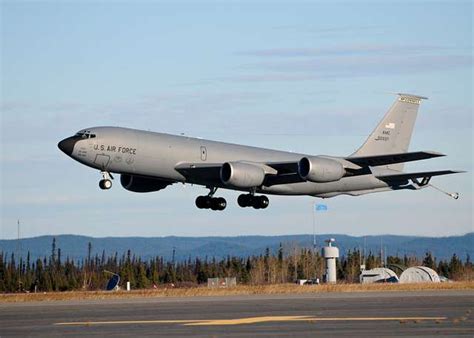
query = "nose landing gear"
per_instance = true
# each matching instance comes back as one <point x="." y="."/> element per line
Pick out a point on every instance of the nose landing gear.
<point x="210" y="202"/>
<point x="106" y="182"/>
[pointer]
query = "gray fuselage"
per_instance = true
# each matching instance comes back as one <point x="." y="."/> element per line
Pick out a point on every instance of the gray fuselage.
<point x="157" y="155"/>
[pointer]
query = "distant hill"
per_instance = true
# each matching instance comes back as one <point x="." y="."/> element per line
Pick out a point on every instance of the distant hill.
<point x="76" y="247"/>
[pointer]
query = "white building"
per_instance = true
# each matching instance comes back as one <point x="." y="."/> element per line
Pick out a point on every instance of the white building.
<point x="419" y="274"/>
<point x="378" y="275"/>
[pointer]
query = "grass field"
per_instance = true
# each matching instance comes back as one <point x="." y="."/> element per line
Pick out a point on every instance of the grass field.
<point x="238" y="290"/>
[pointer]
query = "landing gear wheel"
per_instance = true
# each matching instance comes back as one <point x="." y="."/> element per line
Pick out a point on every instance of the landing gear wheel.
<point x="249" y="200"/>
<point x="244" y="200"/>
<point x="105" y="184"/>
<point x="204" y="202"/>
<point x="218" y="204"/>
<point x="207" y="202"/>
<point x="201" y="202"/>
<point x="261" y="201"/>
<point x="256" y="202"/>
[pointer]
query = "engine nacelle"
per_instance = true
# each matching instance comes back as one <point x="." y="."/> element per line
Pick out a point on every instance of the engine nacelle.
<point x="320" y="169"/>
<point x="242" y="175"/>
<point x="142" y="184"/>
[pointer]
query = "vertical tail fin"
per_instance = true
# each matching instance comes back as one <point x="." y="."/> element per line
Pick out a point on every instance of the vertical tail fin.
<point x="393" y="133"/>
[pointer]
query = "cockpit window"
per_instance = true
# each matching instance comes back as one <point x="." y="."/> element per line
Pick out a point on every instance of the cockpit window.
<point x="85" y="134"/>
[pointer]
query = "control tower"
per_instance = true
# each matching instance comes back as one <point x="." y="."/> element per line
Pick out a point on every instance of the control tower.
<point x="330" y="253"/>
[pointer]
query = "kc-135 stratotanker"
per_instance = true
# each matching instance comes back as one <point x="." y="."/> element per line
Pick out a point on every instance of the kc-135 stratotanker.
<point x="148" y="161"/>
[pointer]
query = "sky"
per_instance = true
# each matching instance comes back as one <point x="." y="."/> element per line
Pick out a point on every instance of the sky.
<point x="309" y="77"/>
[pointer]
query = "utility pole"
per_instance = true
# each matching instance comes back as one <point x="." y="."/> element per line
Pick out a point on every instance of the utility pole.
<point x="365" y="247"/>
<point x="18" y="240"/>
<point x="313" y="211"/>
<point x="381" y="253"/>
<point x="317" y="208"/>
<point x="18" y="253"/>
<point x="296" y="264"/>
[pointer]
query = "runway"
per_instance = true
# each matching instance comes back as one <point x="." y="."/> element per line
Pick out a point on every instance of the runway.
<point x="303" y="315"/>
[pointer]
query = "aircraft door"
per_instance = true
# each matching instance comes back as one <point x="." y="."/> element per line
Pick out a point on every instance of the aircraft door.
<point x="102" y="160"/>
<point x="203" y="153"/>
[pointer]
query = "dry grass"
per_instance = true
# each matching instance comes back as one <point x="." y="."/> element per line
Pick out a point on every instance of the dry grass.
<point x="238" y="290"/>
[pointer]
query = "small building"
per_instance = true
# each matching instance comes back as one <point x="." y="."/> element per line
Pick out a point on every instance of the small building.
<point x="330" y="254"/>
<point x="419" y="274"/>
<point x="378" y="275"/>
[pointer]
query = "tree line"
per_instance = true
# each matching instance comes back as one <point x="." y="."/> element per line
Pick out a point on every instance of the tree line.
<point x="54" y="273"/>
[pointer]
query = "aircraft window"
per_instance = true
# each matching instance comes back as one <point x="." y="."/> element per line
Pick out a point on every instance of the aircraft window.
<point x="82" y="135"/>
<point x="85" y="135"/>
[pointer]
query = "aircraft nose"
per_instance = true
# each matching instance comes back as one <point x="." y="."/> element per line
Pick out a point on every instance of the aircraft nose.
<point x="67" y="145"/>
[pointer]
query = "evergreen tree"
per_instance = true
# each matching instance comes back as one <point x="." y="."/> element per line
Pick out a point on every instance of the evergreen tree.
<point x="53" y="273"/>
<point x="3" y="286"/>
<point x="53" y="251"/>
<point x="443" y="269"/>
<point x="429" y="262"/>
<point x="455" y="267"/>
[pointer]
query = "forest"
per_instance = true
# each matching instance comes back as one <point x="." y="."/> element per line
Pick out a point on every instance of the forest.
<point x="289" y="263"/>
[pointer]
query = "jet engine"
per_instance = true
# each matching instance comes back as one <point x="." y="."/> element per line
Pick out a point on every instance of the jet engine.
<point x="320" y="170"/>
<point x="242" y="175"/>
<point x="142" y="184"/>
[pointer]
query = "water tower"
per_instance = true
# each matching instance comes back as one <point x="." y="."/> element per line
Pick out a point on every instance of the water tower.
<point x="330" y="253"/>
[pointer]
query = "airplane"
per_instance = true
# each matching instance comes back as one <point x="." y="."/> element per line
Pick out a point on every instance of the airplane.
<point x="149" y="161"/>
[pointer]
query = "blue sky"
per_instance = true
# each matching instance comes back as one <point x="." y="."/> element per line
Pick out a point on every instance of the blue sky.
<point x="311" y="77"/>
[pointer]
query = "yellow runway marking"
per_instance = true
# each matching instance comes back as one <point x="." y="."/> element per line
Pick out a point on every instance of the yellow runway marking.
<point x="249" y="320"/>
<point x="254" y="320"/>
<point x="121" y="322"/>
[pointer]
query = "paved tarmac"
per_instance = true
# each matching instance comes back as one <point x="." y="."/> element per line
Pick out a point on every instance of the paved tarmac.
<point x="447" y="313"/>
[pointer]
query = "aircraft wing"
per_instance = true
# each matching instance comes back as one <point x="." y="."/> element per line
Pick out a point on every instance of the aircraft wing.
<point x="209" y="173"/>
<point x="284" y="167"/>
<point x="287" y="172"/>
<point x="378" y="160"/>
<point x="422" y="174"/>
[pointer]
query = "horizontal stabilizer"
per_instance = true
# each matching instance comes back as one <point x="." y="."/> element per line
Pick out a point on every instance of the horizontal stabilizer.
<point x="385" y="159"/>
<point x="407" y="176"/>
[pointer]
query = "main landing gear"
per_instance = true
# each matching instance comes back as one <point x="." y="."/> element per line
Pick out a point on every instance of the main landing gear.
<point x="210" y="202"/>
<point x="250" y="200"/>
<point x="106" y="182"/>
<point x="219" y="203"/>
